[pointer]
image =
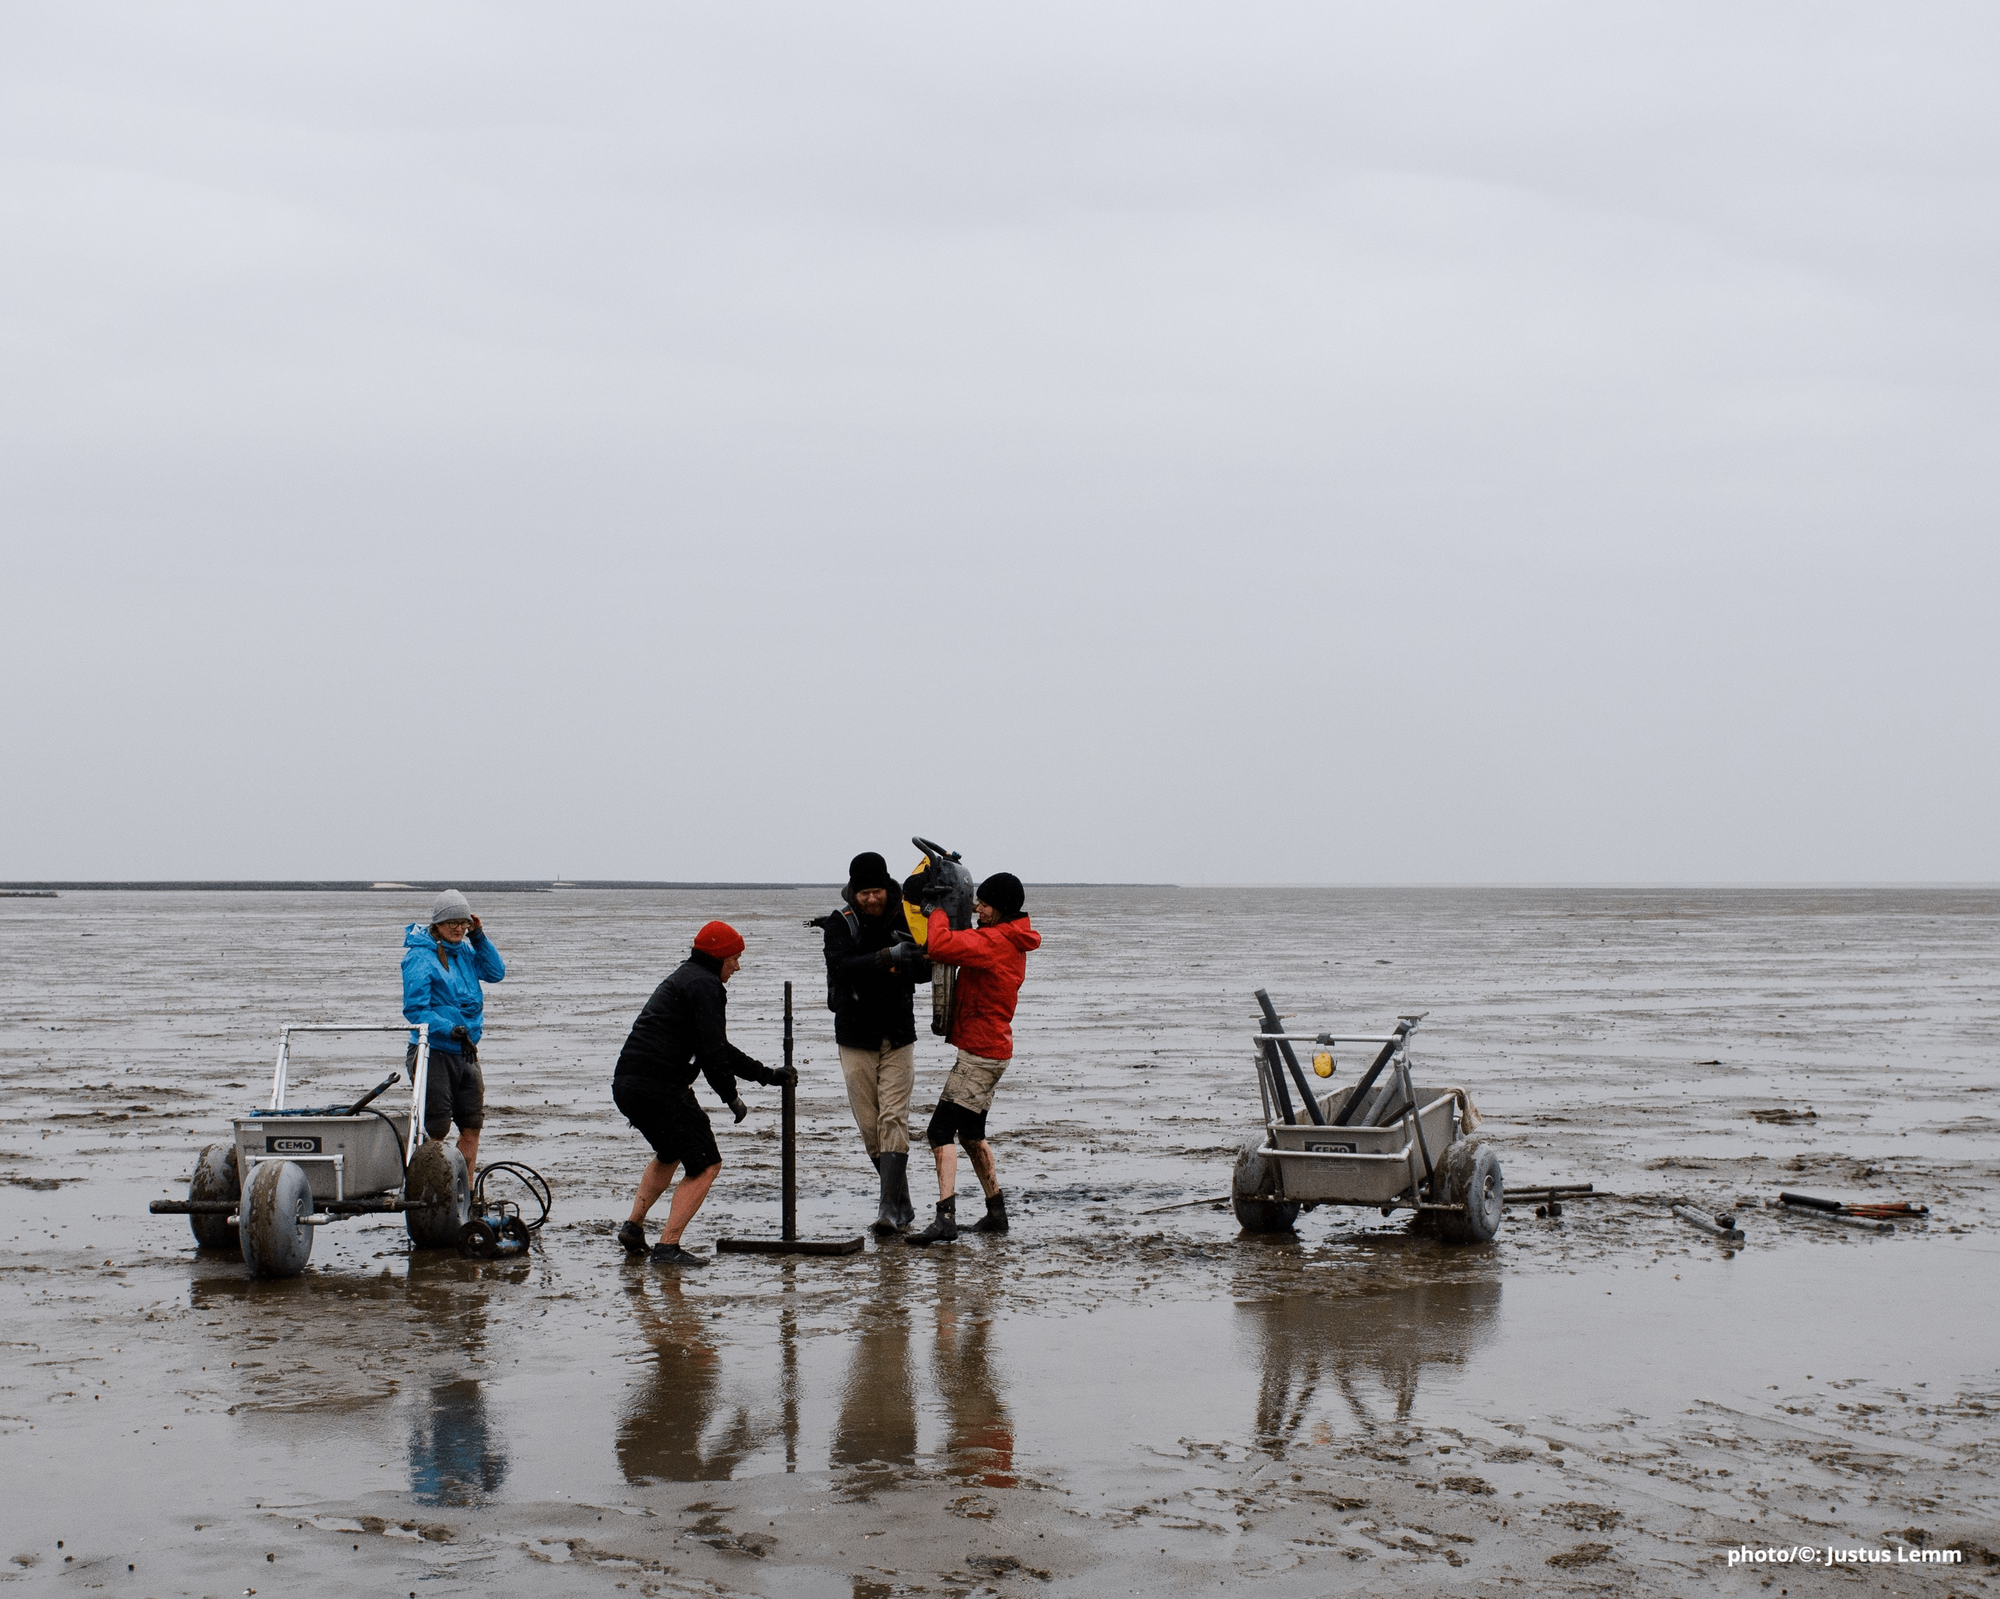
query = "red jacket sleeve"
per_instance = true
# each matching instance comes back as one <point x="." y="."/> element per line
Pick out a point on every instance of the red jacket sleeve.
<point x="973" y="947"/>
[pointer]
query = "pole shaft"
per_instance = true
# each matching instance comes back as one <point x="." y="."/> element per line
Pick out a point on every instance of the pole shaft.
<point x="789" y="1224"/>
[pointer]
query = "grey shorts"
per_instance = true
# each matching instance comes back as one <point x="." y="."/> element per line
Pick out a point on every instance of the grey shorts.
<point x="456" y="1092"/>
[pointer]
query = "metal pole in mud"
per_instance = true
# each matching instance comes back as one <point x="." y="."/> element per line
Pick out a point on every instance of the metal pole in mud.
<point x="788" y="1242"/>
<point x="788" y="1225"/>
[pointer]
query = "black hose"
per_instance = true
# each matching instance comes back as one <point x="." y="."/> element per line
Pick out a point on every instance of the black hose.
<point x="532" y="1180"/>
<point x="396" y="1138"/>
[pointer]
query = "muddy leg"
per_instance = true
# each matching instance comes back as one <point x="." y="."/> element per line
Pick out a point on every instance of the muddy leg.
<point x="981" y="1155"/>
<point x="688" y="1195"/>
<point x="653" y="1182"/>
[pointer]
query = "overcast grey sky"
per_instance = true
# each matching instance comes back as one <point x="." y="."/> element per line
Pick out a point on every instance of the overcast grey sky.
<point x="1194" y="443"/>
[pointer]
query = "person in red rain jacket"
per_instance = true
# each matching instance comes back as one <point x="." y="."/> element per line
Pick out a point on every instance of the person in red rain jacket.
<point x="992" y="962"/>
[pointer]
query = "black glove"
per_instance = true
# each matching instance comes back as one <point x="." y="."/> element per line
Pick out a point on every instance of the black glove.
<point x="460" y="1036"/>
<point x="788" y="1077"/>
<point x="739" y="1108"/>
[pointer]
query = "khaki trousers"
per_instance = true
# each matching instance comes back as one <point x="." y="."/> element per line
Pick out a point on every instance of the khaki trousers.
<point x="878" y="1092"/>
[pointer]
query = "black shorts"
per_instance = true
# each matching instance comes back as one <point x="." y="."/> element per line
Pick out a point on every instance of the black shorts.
<point x="671" y="1121"/>
<point x="454" y="1091"/>
<point x="952" y="1120"/>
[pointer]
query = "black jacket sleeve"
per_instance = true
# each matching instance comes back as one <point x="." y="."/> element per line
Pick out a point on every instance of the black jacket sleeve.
<point x="720" y="1061"/>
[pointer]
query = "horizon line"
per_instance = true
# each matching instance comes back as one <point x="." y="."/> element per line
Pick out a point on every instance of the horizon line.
<point x="543" y="885"/>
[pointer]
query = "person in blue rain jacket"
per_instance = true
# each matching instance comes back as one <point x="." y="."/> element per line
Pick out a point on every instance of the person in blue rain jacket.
<point x="443" y="965"/>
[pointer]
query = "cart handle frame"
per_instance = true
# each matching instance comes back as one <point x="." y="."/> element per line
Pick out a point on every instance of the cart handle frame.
<point x="419" y="1082"/>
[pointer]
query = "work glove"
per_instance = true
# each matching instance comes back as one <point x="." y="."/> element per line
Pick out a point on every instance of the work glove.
<point x="741" y="1110"/>
<point x="460" y="1035"/>
<point x="788" y="1076"/>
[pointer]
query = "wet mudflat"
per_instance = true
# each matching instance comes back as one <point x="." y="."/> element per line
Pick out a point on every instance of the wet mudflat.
<point x="1104" y="1401"/>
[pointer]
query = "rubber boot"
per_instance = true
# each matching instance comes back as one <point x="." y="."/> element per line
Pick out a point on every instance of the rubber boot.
<point x="995" y="1219"/>
<point x="941" y="1231"/>
<point x="895" y="1170"/>
<point x="906" y="1213"/>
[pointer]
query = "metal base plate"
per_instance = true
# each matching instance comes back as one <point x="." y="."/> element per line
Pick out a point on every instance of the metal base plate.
<point x="789" y="1246"/>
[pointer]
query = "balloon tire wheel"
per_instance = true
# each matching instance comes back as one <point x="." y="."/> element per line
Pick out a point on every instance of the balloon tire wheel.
<point x="1251" y="1190"/>
<point x="1469" y="1180"/>
<point x="438" y="1194"/>
<point x="216" y="1176"/>
<point x="276" y="1241"/>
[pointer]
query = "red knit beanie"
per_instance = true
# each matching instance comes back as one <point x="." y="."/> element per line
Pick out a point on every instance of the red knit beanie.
<point x="720" y="940"/>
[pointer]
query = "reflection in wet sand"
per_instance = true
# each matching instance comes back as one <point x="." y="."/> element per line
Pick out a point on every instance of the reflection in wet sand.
<point x="455" y="1459"/>
<point x="877" y="1429"/>
<point x="456" y="1454"/>
<point x="1354" y="1339"/>
<point x="663" y="1434"/>
<point x="980" y="1444"/>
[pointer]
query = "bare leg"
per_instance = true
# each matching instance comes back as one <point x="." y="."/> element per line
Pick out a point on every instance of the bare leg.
<point x="468" y="1146"/>
<point x="688" y="1195"/>
<point x="652" y="1183"/>
<point x="947" y="1165"/>
<point x="981" y="1155"/>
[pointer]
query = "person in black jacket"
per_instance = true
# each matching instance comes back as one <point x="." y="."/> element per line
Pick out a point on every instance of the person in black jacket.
<point x="873" y="965"/>
<point x="681" y="1031"/>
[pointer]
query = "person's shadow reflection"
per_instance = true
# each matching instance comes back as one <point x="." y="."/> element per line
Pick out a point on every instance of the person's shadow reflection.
<point x="455" y="1458"/>
<point x="456" y="1454"/>
<point x="875" y="1437"/>
<point x="1368" y="1346"/>
<point x="663" y="1434"/>
<point x="980" y="1431"/>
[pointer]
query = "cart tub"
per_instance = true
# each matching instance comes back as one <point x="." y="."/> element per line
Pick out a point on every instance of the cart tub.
<point x="1360" y="1165"/>
<point x="343" y="1157"/>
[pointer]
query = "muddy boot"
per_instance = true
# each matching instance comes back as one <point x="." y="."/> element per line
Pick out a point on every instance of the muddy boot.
<point x="633" y="1237"/>
<point x="995" y="1219"/>
<point x="889" y="1218"/>
<point x="906" y="1213"/>
<point x="941" y="1231"/>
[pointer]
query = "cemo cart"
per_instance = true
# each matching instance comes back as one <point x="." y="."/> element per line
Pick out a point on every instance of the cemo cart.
<point x="1386" y="1142"/>
<point x="287" y="1172"/>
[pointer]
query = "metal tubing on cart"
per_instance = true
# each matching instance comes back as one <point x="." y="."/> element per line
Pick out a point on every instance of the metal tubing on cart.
<point x="1274" y="1025"/>
<point x="1410" y="1093"/>
<point x="1353" y="1106"/>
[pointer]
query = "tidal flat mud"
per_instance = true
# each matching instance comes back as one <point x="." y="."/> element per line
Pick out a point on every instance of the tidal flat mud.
<point x="1117" y="1397"/>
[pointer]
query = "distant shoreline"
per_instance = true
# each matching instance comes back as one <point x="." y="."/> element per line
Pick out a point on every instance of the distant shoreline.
<point x="469" y="885"/>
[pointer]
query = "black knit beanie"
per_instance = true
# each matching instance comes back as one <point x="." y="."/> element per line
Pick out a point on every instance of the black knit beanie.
<point x="869" y="870"/>
<point x="1003" y="891"/>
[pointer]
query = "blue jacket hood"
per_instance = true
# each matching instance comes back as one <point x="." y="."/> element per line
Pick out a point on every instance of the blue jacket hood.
<point x="443" y="991"/>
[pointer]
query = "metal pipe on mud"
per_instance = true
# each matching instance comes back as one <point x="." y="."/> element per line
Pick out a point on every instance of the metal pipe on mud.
<point x="1709" y="1224"/>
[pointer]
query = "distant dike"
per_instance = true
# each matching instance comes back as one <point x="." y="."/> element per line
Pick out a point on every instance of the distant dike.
<point x="468" y="885"/>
